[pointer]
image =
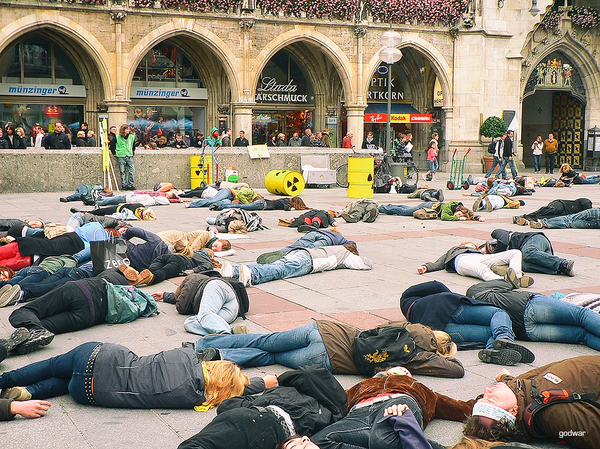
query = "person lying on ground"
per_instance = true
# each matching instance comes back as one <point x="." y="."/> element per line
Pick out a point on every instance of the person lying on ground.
<point x="244" y="195"/>
<point x="424" y="193"/>
<point x="311" y="220"/>
<point x="298" y="262"/>
<point x="304" y="400"/>
<point x="105" y="215"/>
<point x="110" y="375"/>
<point x="467" y="260"/>
<point x="260" y="203"/>
<point x="312" y="239"/>
<point x="130" y="198"/>
<point x="70" y="307"/>
<point x="404" y="210"/>
<point x="85" y="193"/>
<point x="197" y="239"/>
<point x="495" y="202"/>
<point x="361" y="210"/>
<point x="536" y="248"/>
<point x="330" y="345"/>
<point x="555" y="208"/>
<point x="470" y="323"/>
<point x="79" y="219"/>
<point x="451" y="211"/>
<point x="537" y="317"/>
<point x="587" y="219"/>
<point x="141" y="255"/>
<point x="211" y="190"/>
<point x="7" y="223"/>
<point x="510" y="411"/>
<point x="570" y="176"/>
<point x="213" y="301"/>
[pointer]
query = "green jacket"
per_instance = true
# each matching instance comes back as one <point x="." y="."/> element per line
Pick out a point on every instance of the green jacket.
<point x="124" y="147"/>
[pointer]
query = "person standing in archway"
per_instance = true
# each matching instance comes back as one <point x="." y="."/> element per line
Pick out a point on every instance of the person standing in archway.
<point x="550" y="150"/>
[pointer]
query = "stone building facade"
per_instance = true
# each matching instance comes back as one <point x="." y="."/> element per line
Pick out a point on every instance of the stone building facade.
<point x="169" y="70"/>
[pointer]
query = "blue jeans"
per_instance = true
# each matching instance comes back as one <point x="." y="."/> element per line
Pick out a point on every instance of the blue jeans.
<point x="361" y="428"/>
<point x="58" y="278"/>
<point x="513" y="168"/>
<point x="294" y="264"/>
<point x="112" y="200"/>
<point x="587" y="219"/>
<point x="54" y="377"/>
<point x="433" y="165"/>
<point x="497" y="162"/>
<point x="538" y="257"/>
<point x="403" y="209"/>
<point x="218" y="308"/>
<point x="483" y="324"/>
<point x="549" y="319"/>
<point x="223" y="194"/>
<point x="295" y="348"/>
<point x="27" y="276"/>
<point x="127" y="170"/>
<point x="537" y="162"/>
<point x="311" y="239"/>
<point x="80" y="193"/>
<point x="254" y="205"/>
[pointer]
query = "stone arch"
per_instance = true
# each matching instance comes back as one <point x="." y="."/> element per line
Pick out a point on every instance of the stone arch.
<point x="329" y="47"/>
<point x="435" y="58"/>
<point x="64" y="26"/>
<point x="186" y="27"/>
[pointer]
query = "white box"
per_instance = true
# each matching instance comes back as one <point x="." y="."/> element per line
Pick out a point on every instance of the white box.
<point x="322" y="177"/>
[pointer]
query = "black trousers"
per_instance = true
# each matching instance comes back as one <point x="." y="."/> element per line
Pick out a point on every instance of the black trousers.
<point x="168" y="266"/>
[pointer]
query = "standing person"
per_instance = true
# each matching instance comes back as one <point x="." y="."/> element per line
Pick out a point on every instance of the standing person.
<point x="39" y="137"/>
<point x="281" y="140"/>
<point x="197" y="140"/>
<point x="227" y="138"/>
<point x="124" y="150"/>
<point x="432" y="157"/>
<point x="508" y="157"/>
<point x="20" y="141"/>
<point x="91" y="139"/>
<point x="537" y="147"/>
<point x="347" y="142"/>
<point x="295" y="141"/>
<point x="306" y="142"/>
<point x="57" y="140"/>
<point x="550" y="149"/>
<point x="369" y="143"/>
<point x="498" y="150"/>
<point x="112" y="140"/>
<point x="325" y="139"/>
<point x="4" y="143"/>
<point x="213" y="140"/>
<point x="80" y="141"/>
<point x="241" y="141"/>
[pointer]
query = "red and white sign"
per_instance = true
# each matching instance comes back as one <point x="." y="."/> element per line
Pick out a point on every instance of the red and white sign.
<point x="398" y="118"/>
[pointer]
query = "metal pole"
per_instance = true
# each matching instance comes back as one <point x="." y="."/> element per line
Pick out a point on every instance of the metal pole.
<point x="389" y="110"/>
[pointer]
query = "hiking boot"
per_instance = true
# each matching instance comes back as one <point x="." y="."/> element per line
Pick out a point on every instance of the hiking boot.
<point x="526" y="355"/>
<point x="525" y="281"/>
<point x="16" y="394"/>
<point x="522" y="221"/>
<point x="214" y="206"/>
<point x="537" y="224"/>
<point x="488" y="204"/>
<point x="307" y="227"/>
<point x="208" y="355"/>
<point x="241" y="329"/>
<point x="9" y="296"/>
<point x="511" y="278"/>
<point x="245" y="275"/>
<point x="63" y="200"/>
<point x="38" y="338"/>
<point x="188" y="344"/>
<point x="144" y="278"/>
<point x="130" y="273"/>
<point x="507" y="357"/>
<point x="566" y="267"/>
<point x="15" y="339"/>
<point x="477" y="204"/>
<point x="515" y="219"/>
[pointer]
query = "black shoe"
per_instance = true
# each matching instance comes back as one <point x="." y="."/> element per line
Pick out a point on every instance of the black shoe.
<point x="214" y="206"/>
<point x="188" y="344"/>
<point x="566" y="267"/>
<point x="209" y="354"/>
<point x="63" y="200"/>
<point x="74" y="210"/>
<point x="15" y="339"/>
<point x="37" y="339"/>
<point x="506" y="357"/>
<point x="526" y="355"/>
<point x="89" y="202"/>
<point x="307" y="227"/>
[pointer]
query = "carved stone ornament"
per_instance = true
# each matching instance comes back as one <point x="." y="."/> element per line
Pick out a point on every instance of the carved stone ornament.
<point x="453" y="31"/>
<point x="468" y="19"/>
<point x="223" y="108"/>
<point x="246" y="24"/>
<point x="118" y="16"/>
<point x="360" y="31"/>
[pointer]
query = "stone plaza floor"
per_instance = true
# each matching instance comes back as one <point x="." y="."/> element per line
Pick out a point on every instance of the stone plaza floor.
<point x="396" y="245"/>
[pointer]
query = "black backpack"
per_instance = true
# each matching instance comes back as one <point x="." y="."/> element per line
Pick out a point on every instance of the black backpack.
<point x="382" y="347"/>
<point x="492" y="147"/>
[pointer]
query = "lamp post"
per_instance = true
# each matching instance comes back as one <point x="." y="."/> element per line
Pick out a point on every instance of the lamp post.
<point x="390" y="55"/>
<point x="534" y="10"/>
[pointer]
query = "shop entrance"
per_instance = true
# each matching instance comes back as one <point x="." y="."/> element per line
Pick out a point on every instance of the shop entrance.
<point x="269" y="123"/>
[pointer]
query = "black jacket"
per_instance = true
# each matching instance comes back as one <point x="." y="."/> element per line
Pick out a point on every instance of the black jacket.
<point x="57" y="141"/>
<point x="508" y="147"/>
<point x="559" y="208"/>
<point x="514" y="240"/>
<point x="241" y="142"/>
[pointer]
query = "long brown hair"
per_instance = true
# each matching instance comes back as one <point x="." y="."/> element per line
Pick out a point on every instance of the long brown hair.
<point x="9" y="272"/>
<point x="297" y="203"/>
<point x="224" y="380"/>
<point x="474" y="443"/>
<point x="122" y="130"/>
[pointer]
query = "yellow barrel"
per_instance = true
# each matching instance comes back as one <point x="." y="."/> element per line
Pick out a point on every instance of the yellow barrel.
<point x="200" y="171"/>
<point x="284" y="182"/>
<point x="360" y="177"/>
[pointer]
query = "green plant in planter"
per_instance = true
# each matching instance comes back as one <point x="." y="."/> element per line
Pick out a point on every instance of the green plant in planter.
<point x="493" y="127"/>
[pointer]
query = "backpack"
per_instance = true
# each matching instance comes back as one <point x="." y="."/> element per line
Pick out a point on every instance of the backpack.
<point x="382" y="347"/>
<point x="126" y="303"/>
<point x="250" y="218"/>
<point x="492" y="147"/>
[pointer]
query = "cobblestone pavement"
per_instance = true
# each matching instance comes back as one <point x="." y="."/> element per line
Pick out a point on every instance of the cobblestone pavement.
<point x="396" y="245"/>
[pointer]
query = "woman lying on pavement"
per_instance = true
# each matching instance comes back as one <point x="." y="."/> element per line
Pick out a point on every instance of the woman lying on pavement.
<point x="110" y="375"/>
<point x="570" y="176"/>
<point x="330" y="345"/>
<point x="311" y="220"/>
<point x="467" y="260"/>
<point x="537" y="317"/>
<point x="555" y="208"/>
<point x="470" y="323"/>
<point x="298" y="262"/>
<point x="451" y="211"/>
<point x="196" y="240"/>
<point x="510" y="410"/>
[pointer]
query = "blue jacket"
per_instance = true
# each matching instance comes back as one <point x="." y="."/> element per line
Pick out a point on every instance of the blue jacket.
<point x="142" y="255"/>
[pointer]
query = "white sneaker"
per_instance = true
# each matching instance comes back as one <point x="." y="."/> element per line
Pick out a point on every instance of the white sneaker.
<point x="245" y="275"/>
<point x="226" y="270"/>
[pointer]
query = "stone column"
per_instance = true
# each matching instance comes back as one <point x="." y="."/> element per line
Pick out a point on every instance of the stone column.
<point x="356" y="122"/>
<point x="242" y="120"/>
<point x="117" y="112"/>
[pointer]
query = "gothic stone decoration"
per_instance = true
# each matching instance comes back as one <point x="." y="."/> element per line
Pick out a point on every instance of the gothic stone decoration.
<point x="556" y="72"/>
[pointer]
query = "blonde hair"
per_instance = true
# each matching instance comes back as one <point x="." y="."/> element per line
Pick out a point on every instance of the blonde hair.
<point x="445" y="346"/>
<point x="224" y="380"/>
<point x="183" y="247"/>
<point x="473" y="443"/>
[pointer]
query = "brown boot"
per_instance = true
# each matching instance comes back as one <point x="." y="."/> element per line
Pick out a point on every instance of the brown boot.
<point x="145" y="277"/>
<point x="130" y="273"/>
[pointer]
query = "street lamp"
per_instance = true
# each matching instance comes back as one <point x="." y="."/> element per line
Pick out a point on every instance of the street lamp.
<point x="534" y="10"/>
<point x="390" y="55"/>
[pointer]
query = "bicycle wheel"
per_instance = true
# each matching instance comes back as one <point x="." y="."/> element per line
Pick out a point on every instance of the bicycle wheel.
<point x="412" y="175"/>
<point x="341" y="176"/>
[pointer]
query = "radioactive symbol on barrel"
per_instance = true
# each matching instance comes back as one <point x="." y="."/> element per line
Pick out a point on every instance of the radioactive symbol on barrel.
<point x="292" y="184"/>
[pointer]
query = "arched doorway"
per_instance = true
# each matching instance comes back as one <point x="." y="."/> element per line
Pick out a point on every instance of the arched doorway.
<point x="554" y="102"/>
<point x="48" y="78"/>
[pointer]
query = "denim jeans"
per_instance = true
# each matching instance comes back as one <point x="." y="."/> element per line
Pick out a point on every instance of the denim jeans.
<point x="112" y="200"/>
<point x="589" y="179"/>
<point x="483" y="324"/>
<point x="80" y="193"/>
<point x="127" y="170"/>
<point x="550" y="158"/>
<point x="361" y="427"/>
<point x="554" y="320"/>
<point x="27" y="276"/>
<point x="218" y="307"/>
<point x="254" y="205"/>
<point x="54" y="377"/>
<point x="497" y="163"/>
<point x="223" y="194"/>
<point x="403" y="209"/>
<point x="295" y="348"/>
<point x="311" y="239"/>
<point x="433" y="166"/>
<point x="56" y="279"/>
<point x="294" y="264"/>
<point x="537" y="162"/>
<point x="538" y="257"/>
<point x="513" y="168"/>
<point x="587" y="219"/>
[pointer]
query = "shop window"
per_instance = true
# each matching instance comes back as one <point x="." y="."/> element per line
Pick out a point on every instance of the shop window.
<point x="45" y="115"/>
<point x="166" y="64"/>
<point x="160" y="124"/>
